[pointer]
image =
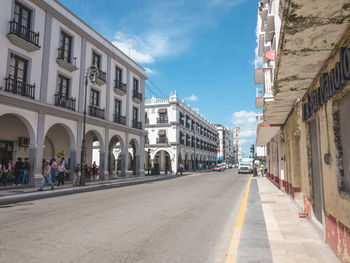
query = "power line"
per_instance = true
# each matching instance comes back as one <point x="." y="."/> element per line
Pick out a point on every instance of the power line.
<point x="150" y="90"/>
<point x="157" y="87"/>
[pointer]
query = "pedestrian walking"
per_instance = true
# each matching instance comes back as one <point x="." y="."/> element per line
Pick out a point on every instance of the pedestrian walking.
<point x="76" y="175"/>
<point x="53" y="165"/>
<point x="26" y="169"/>
<point x="94" y="168"/>
<point x="46" y="177"/>
<point x="4" y="170"/>
<point x="18" y="171"/>
<point x="179" y="169"/>
<point x="63" y="162"/>
<point x="61" y="169"/>
<point x="262" y="170"/>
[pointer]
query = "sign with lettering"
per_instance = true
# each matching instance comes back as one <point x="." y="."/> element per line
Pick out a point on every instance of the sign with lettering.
<point x="330" y="84"/>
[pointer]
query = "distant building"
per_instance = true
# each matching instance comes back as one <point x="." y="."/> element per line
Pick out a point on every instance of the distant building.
<point x="237" y="143"/>
<point x="177" y="134"/>
<point x="226" y="144"/>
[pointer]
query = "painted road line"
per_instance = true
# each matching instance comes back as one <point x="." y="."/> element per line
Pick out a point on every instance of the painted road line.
<point x="232" y="252"/>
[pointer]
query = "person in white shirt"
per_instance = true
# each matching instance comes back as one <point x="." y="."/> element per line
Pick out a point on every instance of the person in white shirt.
<point x="61" y="170"/>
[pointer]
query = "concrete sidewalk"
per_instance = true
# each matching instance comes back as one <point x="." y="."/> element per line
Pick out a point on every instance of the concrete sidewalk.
<point x="292" y="239"/>
<point x="29" y="193"/>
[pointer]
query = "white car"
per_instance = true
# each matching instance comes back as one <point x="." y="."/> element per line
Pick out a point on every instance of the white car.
<point x="242" y="169"/>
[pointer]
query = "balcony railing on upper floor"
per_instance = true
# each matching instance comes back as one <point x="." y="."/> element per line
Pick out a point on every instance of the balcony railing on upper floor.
<point x="117" y="118"/>
<point x="101" y="75"/>
<point x="65" y="102"/>
<point x="137" y="124"/>
<point x="120" y="87"/>
<point x="24" y="33"/>
<point x="95" y="111"/>
<point x="66" y="62"/>
<point x="162" y="140"/>
<point x="136" y="95"/>
<point x="19" y="87"/>
<point x="162" y="120"/>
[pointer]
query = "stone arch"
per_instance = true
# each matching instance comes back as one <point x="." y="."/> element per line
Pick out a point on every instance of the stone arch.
<point x="115" y="155"/>
<point x="26" y="123"/>
<point x="134" y="156"/>
<point x="95" y="148"/>
<point x="161" y="149"/>
<point x="68" y="130"/>
<point x="98" y="135"/>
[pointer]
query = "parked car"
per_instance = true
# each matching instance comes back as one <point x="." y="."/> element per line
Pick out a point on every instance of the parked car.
<point x="224" y="165"/>
<point x="244" y="169"/>
<point x="218" y="168"/>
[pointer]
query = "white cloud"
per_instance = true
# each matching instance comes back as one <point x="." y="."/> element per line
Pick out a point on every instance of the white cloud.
<point x="168" y="27"/>
<point x="150" y="71"/>
<point x="246" y="120"/>
<point x="193" y="97"/>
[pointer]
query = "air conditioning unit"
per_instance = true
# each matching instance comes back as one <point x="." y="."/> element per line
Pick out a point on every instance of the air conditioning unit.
<point x="23" y="142"/>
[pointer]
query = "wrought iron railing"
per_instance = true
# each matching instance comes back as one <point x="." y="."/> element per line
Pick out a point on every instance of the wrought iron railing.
<point x="120" y="85"/>
<point x="61" y="56"/>
<point x="137" y="124"/>
<point x="66" y="102"/>
<point x="160" y="120"/>
<point x="24" y="33"/>
<point x="162" y="140"/>
<point x="119" y="119"/>
<point x="101" y="75"/>
<point x="137" y="95"/>
<point x="96" y="112"/>
<point x="19" y="87"/>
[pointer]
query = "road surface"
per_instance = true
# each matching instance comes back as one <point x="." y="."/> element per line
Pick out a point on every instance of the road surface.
<point x="187" y="219"/>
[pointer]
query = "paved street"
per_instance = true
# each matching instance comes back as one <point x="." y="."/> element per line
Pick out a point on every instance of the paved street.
<point x="188" y="219"/>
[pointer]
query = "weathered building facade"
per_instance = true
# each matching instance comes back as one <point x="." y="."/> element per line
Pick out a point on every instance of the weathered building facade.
<point x="306" y="127"/>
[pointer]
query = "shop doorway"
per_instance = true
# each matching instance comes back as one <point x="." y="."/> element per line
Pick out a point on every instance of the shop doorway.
<point x="316" y="170"/>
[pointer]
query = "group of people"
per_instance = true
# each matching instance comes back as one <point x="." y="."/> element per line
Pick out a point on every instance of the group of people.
<point x="53" y="171"/>
<point x="20" y="170"/>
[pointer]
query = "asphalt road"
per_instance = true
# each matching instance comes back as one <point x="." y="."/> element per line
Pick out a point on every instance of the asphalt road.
<point x="188" y="219"/>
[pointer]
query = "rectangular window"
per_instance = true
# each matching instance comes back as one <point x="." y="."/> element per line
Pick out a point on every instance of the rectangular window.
<point x="117" y="107"/>
<point x="136" y="85"/>
<point x="18" y="68"/>
<point x="63" y="86"/>
<point x="95" y="97"/>
<point x="119" y="74"/>
<point x="22" y="15"/>
<point x="163" y="116"/>
<point x="135" y="114"/>
<point x="66" y="47"/>
<point x="96" y="60"/>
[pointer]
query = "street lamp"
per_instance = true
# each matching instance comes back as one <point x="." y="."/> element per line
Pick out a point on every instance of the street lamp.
<point x="91" y="74"/>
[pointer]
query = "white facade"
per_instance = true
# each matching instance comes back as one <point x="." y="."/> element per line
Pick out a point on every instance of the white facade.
<point x="226" y="144"/>
<point x="177" y="134"/>
<point x="44" y="106"/>
<point x="237" y="143"/>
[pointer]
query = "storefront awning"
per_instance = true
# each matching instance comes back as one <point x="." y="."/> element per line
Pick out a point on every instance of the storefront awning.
<point x="265" y="132"/>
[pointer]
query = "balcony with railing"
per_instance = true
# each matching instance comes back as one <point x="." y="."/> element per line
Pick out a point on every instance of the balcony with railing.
<point x="120" y="88"/>
<point x="95" y="111"/>
<point x="101" y="77"/>
<point x="19" y="87"/>
<point x="162" y="140"/>
<point x="136" y="96"/>
<point x="137" y="124"/>
<point x="65" y="102"/>
<point x="23" y="36"/>
<point x="117" y="118"/>
<point x="66" y="62"/>
<point x="162" y="120"/>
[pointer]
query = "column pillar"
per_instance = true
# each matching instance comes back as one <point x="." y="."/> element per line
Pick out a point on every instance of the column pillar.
<point x="124" y="159"/>
<point x="102" y="165"/>
<point x="142" y="153"/>
<point x="137" y="165"/>
<point x="106" y="150"/>
<point x="109" y="87"/>
<point x="73" y="162"/>
<point x="39" y="151"/>
<point x="82" y="75"/>
<point x="128" y="99"/>
<point x="32" y="159"/>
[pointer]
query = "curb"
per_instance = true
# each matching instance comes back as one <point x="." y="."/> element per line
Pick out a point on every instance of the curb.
<point x="12" y="199"/>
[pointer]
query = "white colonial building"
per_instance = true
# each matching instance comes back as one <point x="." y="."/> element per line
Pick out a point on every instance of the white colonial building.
<point x="46" y="51"/>
<point x="237" y="144"/>
<point x="177" y="134"/>
<point x="226" y="144"/>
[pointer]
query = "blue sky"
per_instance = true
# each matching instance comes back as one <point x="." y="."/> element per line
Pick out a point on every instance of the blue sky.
<point x="203" y="49"/>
